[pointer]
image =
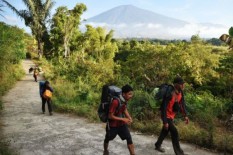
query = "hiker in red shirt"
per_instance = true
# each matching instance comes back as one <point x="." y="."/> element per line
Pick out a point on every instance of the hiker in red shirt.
<point x="172" y="104"/>
<point x="119" y="119"/>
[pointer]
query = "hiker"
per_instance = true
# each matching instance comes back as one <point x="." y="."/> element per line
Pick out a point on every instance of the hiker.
<point x="46" y="88"/>
<point x="35" y="72"/>
<point x="117" y="124"/>
<point x="173" y="102"/>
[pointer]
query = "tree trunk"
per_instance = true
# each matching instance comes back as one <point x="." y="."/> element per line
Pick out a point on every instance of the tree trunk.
<point x="40" y="48"/>
<point x="66" y="47"/>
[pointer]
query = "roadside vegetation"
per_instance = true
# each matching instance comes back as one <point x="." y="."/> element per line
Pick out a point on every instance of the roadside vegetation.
<point x="13" y="50"/>
<point x="79" y="63"/>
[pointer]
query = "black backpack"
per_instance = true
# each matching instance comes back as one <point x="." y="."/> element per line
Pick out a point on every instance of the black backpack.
<point x="108" y="94"/>
<point x="162" y="92"/>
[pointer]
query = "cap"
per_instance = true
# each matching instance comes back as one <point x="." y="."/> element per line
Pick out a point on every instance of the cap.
<point x="178" y="80"/>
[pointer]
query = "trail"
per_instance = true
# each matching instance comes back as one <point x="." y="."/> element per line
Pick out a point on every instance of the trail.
<point x="32" y="133"/>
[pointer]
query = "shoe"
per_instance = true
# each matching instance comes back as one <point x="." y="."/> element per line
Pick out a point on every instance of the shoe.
<point x="160" y="149"/>
<point x="43" y="112"/>
<point x="50" y="113"/>
<point x="106" y="152"/>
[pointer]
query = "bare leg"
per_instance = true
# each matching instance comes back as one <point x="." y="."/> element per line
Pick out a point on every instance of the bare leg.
<point x="131" y="149"/>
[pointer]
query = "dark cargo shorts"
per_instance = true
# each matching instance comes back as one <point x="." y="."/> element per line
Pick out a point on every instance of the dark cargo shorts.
<point x="122" y="131"/>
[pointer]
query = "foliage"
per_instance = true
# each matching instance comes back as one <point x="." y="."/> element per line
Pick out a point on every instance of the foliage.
<point x="35" y="17"/>
<point x="150" y="65"/>
<point x="196" y="39"/>
<point x="226" y="70"/>
<point x="215" y="41"/>
<point x="1" y="6"/>
<point x="231" y="31"/>
<point x="12" y="49"/>
<point x="142" y="106"/>
<point x="64" y="28"/>
<point x="11" y="45"/>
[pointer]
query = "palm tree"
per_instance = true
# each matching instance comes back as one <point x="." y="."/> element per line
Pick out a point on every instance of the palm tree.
<point x="35" y="17"/>
<point x="1" y="10"/>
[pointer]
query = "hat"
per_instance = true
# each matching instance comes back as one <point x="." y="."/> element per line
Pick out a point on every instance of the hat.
<point x="178" y="80"/>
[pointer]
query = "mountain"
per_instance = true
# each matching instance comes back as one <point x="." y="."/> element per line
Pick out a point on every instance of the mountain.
<point x="129" y="21"/>
<point x="129" y="14"/>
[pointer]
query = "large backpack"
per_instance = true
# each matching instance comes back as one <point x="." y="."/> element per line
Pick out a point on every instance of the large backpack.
<point x="41" y="87"/>
<point x="108" y="94"/>
<point x="162" y="92"/>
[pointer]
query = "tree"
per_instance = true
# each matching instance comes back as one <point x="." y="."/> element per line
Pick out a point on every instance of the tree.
<point x="12" y="46"/>
<point x="35" y="16"/>
<point x="231" y="31"/>
<point x="226" y="75"/>
<point x="64" y="27"/>
<point x="196" y="39"/>
<point x="98" y="44"/>
<point x="1" y="10"/>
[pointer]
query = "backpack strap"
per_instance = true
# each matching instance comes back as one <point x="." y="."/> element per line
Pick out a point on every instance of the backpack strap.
<point x="168" y="93"/>
<point x="119" y="105"/>
<point x="167" y="96"/>
<point x="117" y="110"/>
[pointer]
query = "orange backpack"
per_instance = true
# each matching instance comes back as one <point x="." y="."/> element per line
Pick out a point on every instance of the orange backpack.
<point x="47" y="94"/>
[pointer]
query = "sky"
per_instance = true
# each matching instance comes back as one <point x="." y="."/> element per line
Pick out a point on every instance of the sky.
<point x="193" y="11"/>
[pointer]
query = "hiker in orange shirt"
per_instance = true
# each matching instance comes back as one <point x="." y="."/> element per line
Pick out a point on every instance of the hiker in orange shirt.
<point x="172" y="104"/>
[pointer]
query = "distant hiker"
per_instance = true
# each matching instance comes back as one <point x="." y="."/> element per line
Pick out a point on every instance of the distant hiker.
<point x="35" y="72"/>
<point x="119" y="119"/>
<point x="46" y="93"/>
<point x="172" y="103"/>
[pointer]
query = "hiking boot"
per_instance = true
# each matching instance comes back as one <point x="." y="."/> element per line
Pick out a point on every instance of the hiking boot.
<point x="106" y="152"/>
<point x="50" y="113"/>
<point x="160" y="149"/>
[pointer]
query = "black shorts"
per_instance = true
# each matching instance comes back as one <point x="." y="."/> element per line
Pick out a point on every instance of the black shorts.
<point x="122" y="131"/>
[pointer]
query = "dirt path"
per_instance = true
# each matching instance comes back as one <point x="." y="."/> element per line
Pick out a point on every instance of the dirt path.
<point x="32" y="133"/>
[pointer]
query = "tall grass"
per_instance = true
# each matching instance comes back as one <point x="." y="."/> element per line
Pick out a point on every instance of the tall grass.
<point x="9" y="76"/>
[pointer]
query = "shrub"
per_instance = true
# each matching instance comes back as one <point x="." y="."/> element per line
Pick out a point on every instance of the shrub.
<point x="141" y="106"/>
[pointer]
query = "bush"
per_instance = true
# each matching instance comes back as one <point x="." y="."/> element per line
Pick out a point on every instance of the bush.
<point x="142" y="106"/>
<point x="9" y="77"/>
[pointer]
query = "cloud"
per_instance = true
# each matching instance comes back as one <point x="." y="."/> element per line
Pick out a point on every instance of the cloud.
<point x="122" y="25"/>
<point x="149" y="30"/>
<point x="188" y="30"/>
<point x="11" y="19"/>
<point x="154" y="26"/>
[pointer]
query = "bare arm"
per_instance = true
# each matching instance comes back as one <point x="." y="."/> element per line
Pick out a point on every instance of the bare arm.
<point x="113" y="117"/>
<point x="128" y="115"/>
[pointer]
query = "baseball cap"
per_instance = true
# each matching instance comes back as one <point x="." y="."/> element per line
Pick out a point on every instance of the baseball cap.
<point x="178" y="80"/>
